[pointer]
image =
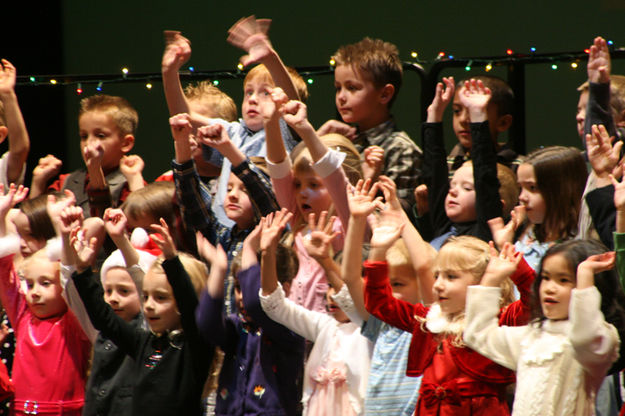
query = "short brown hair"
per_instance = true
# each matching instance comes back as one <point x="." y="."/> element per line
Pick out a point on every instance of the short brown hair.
<point x="261" y="71"/>
<point x="220" y="103"/>
<point x="155" y="199"/>
<point x="561" y="178"/>
<point x="508" y="188"/>
<point x="119" y="109"/>
<point x="376" y="59"/>
<point x="36" y="212"/>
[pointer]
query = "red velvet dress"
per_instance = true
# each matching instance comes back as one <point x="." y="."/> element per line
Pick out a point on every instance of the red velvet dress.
<point x="456" y="381"/>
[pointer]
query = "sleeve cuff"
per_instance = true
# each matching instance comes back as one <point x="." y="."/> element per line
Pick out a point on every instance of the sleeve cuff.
<point x="279" y="170"/>
<point x="272" y="301"/>
<point x="329" y="163"/>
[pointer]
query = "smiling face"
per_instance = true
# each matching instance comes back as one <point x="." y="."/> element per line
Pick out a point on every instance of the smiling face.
<point x="99" y="127"/>
<point x="237" y="203"/>
<point x="311" y="195"/>
<point x="460" y="200"/>
<point x="121" y="293"/>
<point x="255" y="93"/>
<point x="43" y="288"/>
<point x="159" y="305"/>
<point x="357" y="99"/>
<point x="450" y="289"/>
<point x="557" y="282"/>
<point x="530" y="196"/>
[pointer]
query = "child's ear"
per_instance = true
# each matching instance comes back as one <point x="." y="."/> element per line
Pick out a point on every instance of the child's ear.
<point x="504" y="122"/>
<point x="128" y="141"/>
<point x="386" y="93"/>
<point x="4" y="132"/>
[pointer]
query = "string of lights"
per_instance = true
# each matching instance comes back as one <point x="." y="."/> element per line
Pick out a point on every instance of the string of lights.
<point x="485" y="63"/>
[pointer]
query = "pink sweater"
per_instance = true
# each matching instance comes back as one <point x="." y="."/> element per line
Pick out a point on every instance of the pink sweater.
<point x="309" y="286"/>
<point x="51" y="355"/>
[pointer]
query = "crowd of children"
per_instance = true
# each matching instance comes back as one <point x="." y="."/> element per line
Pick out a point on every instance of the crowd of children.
<point x="280" y="269"/>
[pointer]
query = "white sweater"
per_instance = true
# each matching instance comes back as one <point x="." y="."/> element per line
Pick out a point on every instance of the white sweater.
<point x="322" y="329"/>
<point x="560" y="365"/>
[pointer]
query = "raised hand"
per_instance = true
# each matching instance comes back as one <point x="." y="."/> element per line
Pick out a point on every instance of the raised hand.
<point x="295" y="114"/>
<point x="504" y="233"/>
<point x="71" y="218"/>
<point x="55" y="207"/>
<point x="8" y="75"/>
<point x="421" y="199"/>
<point x="338" y="127"/>
<point x="442" y="97"/>
<point x="599" y="64"/>
<point x="318" y="241"/>
<point x="598" y="263"/>
<point x="374" y="160"/>
<point x="270" y="109"/>
<point x="603" y="156"/>
<point x="250" y="34"/>
<point x="362" y="200"/>
<point x="215" y="256"/>
<point x="131" y="165"/>
<point x="93" y="154"/>
<point x="389" y="189"/>
<point x="115" y="222"/>
<point x="163" y="239"/>
<point x="180" y="126"/>
<point x="47" y="168"/>
<point x="475" y="96"/>
<point x="177" y="51"/>
<point x="271" y="228"/>
<point x="251" y="245"/>
<point x="386" y="230"/>
<point x="214" y="135"/>
<point x="501" y="265"/>
<point x="84" y="252"/>
<point x="8" y="201"/>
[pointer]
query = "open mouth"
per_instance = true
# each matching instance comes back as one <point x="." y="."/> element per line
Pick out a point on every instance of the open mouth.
<point x="306" y="207"/>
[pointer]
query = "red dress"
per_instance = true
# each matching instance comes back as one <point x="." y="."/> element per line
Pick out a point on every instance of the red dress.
<point x="456" y="381"/>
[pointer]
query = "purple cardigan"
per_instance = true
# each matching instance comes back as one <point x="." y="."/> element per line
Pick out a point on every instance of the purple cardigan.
<point x="263" y="366"/>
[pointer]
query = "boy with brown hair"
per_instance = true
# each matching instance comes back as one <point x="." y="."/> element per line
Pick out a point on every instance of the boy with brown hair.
<point x="13" y="162"/>
<point x="107" y="126"/>
<point x="367" y="78"/>
<point x="247" y="134"/>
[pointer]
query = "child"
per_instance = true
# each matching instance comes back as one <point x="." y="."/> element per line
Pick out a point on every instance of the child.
<point x="247" y="134"/>
<point x="111" y="380"/>
<point x="453" y="375"/>
<point x="13" y="162"/>
<point x="312" y="180"/>
<point x="462" y="206"/>
<point x="107" y="126"/>
<point x="499" y="114"/>
<point x="195" y="198"/>
<point x="367" y="78"/>
<point x="171" y="359"/>
<point x="262" y="369"/>
<point x="49" y="370"/>
<point x="336" y="370"/>
<point x="562" y="356"/>
<point x="552" y="210"/>
<point x="389" y="390"/>
<point x="207" y="100"/>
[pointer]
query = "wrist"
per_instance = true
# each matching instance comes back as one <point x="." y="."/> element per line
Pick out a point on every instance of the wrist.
<point x="377" y="253"/>
<point x="8" y="95"/>
<point x="478" y="114"/>
<point x="434" y="116"/>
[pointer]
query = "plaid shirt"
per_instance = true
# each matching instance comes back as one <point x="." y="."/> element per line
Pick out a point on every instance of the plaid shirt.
<point x="195" y="204"/>
<point x="402" y="158"/>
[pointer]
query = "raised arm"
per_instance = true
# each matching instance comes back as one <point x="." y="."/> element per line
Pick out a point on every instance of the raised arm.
<point x="177" y="52"/>
<point x="362" y="202"/>
<point x="250" y="34"/>
<point x="19" y="143"/>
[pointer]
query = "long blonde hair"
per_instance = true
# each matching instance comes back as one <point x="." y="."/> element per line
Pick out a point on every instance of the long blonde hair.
<point x="468" y="254"/>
